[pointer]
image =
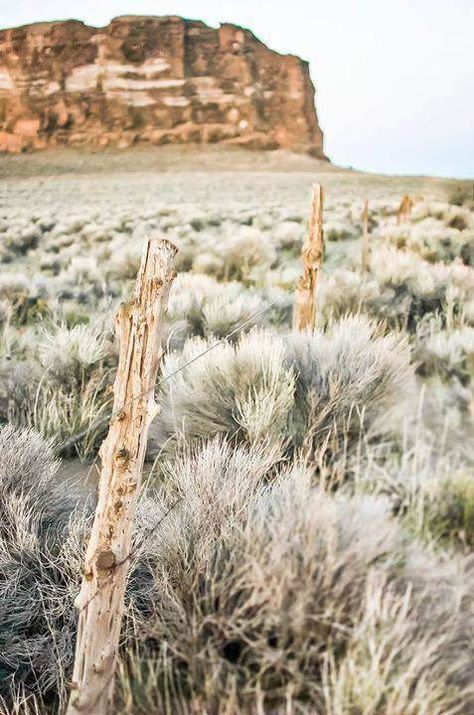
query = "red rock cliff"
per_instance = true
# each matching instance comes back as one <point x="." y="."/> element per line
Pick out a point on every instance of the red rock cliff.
<point x="153" y="79"/>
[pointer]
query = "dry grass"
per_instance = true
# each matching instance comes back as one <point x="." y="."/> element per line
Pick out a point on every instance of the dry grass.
<point x="318" y="559"/>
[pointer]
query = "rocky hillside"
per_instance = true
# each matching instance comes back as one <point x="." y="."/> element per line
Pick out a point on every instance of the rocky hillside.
<point x="151" y="79"/>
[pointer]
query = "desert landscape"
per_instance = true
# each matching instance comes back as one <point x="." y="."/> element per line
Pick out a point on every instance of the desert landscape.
<point x="304" y="532"/>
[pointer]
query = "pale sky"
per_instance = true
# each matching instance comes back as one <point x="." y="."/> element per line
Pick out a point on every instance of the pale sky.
<point x="394" y="78"/>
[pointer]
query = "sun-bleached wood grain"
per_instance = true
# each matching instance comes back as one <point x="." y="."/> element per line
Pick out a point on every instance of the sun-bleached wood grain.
<point x="312" y="254"/>
<point x="101" y="598"/>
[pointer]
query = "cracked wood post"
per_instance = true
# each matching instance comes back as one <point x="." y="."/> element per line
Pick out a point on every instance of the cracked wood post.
<point x="365" y="237"/>
<point x="101" y="598"/>
<point x="304" y="312"/>
<point x="404" y="209"/>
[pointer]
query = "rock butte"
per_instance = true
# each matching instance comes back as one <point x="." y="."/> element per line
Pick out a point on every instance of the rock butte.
<point x="160" y="80"/>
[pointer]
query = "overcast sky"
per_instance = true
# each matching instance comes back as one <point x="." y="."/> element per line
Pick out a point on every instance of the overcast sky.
<point x="394" y="78"/>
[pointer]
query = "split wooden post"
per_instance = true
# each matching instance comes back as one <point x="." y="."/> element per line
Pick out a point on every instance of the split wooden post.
<point x="404" y="209"/>
<point x="304" y="312"/>
<point x="101" y="598"/>
<point x="365" y="237"/>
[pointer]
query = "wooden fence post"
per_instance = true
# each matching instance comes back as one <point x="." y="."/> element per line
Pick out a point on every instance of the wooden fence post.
<point x="404" y="209"/>
<point x="304" y="312"/>
<point x="101" y="598"/>
<point x="365" y="237"/>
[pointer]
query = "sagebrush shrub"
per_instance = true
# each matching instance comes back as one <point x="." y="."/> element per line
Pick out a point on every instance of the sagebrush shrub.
<point x="214" y="309"/>
<point x="247" y="255"/>
<point x="288" y="595"/>
<point x="39" y="564"/>
<point x="448" y="354"/>
<point x="307" y="389"/>
<point x="282" y="592"/>
<point x="44" y="525"/>
<point x="401" y="288"/>
<point x="61" y="386"/>
<point x="346" y="292"/>
<point x="434" y="239"/>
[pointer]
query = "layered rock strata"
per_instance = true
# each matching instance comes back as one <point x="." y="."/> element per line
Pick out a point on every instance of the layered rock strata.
<point x="151" y="79"/>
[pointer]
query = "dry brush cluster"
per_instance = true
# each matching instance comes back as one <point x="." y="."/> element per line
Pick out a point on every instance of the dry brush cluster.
<point x="318" y="558"/>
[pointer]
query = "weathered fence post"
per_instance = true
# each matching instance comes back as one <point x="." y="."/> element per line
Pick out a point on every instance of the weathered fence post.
<point x="101" y="598"/>
<point x="404" y="209"/>
<point x="304" y="312"/>
<point x="365" y="237"/>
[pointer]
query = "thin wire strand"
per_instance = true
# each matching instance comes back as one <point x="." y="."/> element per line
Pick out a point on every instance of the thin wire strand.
<point x="154" y="528"/>
<point x="108" y="418"/>
<point x="147" y="533"/>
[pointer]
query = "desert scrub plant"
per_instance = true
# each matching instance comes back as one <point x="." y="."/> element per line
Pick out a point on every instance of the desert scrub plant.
<point x="121" y="258"/>
<point x="461" y="195"/>
<point x="346" y="292"/>
<point x="288" y="236"/>
<point x="239" y="253"/>
<point x="410" y="288"/>
<point x="18" y="239"/>
<point x="27" y="298"/>
<point x="253" y="591"/>
<point x="62" y="385"/>
<point x="5" y="320"/>
<point x="44" y="524"/>
<point x="209" y="308"/>
<point x="390" y="664"/>
<point x="312" y="390"/>
<point x="351" y="380"/>
<point x="335" y="230"/>
<point x="427" y="477"/>
<point x="443" y="510"/>
<point x="40" y="562"/>
<point x="244" y="389"/>
<point x="278" y="595"/>
<point x="247" y="255"/>
<point x="433" y="240"/>
<point x="448" y="354"/>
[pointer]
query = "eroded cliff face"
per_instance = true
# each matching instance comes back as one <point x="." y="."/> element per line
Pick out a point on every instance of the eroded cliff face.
<point x="152" y="79"/>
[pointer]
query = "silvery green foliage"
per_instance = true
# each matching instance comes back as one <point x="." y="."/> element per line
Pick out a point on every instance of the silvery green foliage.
<point x="5" y="314"/>
<point x="39" y="562"/>
<point x="210" y="308"/>
<point x="339" y="230"/>
<point x="288" y="235"/>
<point x="348" y="379"/>
<point x="44" y="524"/>
<point x="13" y="284"/>
<point x="298" y="387"/>
<point x="59" y="387"/>
<point x="244" y="388"/>
<point x="255" y="574"/>
<point x="282" y="588"/>
<point x="401" y="288"/>
<point x="448" y="353"/>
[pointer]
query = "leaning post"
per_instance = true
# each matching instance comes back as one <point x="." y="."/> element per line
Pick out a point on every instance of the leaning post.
<point x="100" y="602"/>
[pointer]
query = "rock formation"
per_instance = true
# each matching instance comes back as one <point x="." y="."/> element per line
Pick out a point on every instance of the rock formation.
<point x="151" y="79"/>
